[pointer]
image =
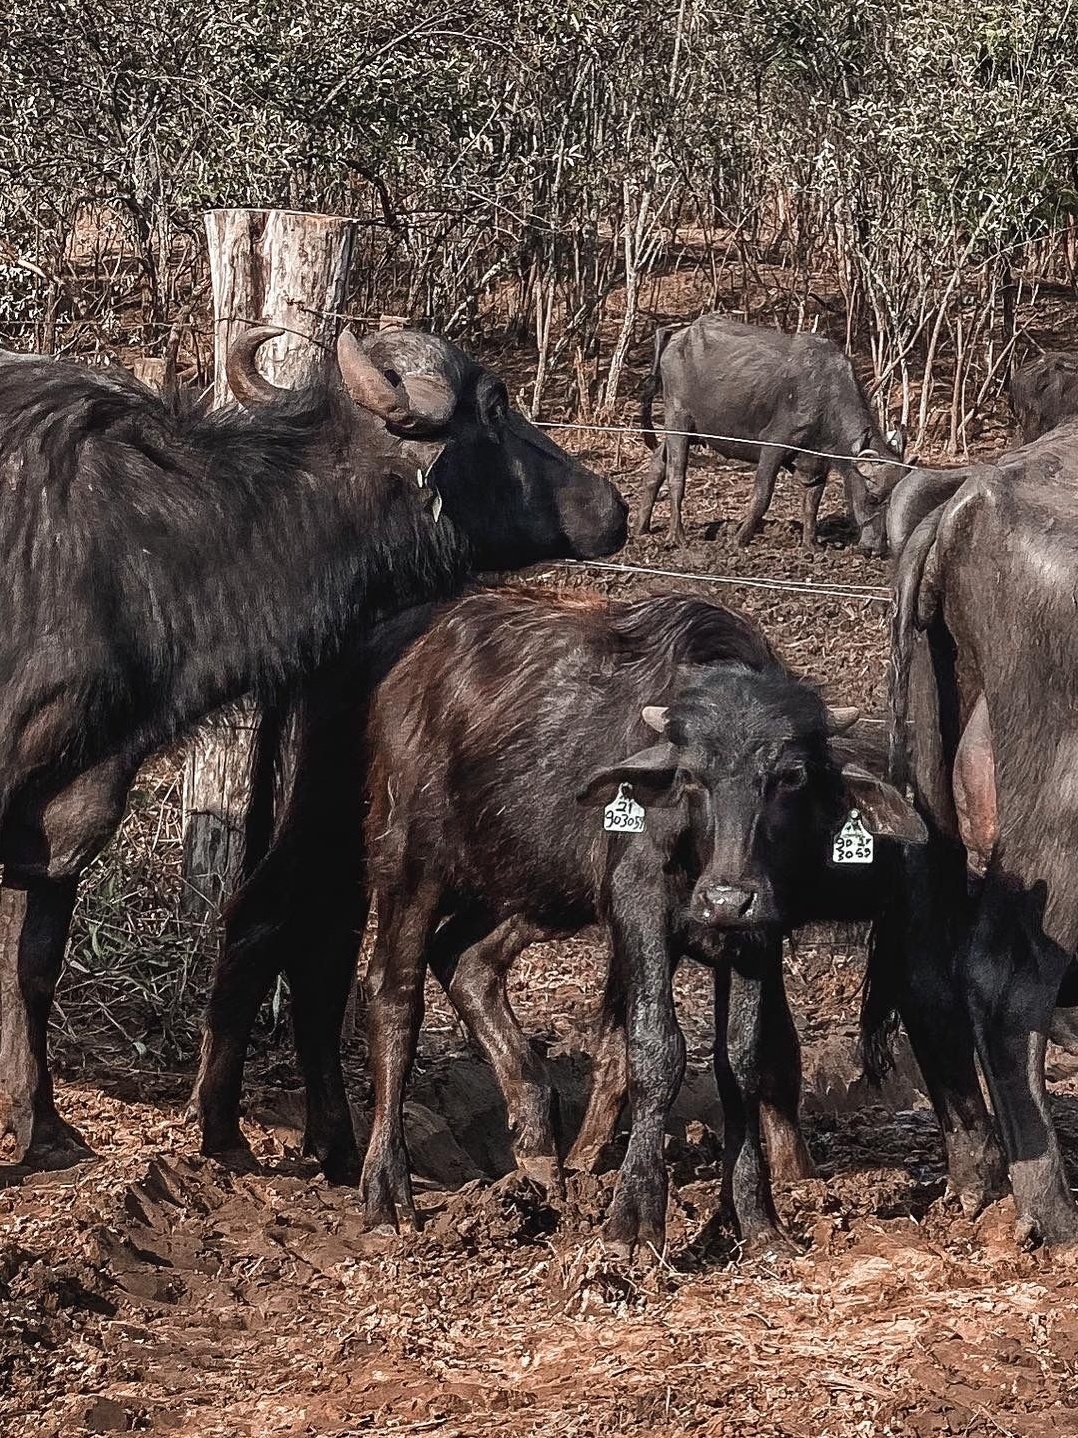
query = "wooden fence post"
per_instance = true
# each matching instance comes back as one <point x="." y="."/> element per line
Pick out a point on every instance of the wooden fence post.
<point x="289" y="270"/>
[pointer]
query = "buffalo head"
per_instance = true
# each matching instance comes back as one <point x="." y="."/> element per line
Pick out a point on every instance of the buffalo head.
<point x="427" y="411"/>
<point x="751" y="794"/>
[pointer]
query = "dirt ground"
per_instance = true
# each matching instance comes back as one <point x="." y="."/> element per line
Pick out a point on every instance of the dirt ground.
<point x="154" y="1291"/>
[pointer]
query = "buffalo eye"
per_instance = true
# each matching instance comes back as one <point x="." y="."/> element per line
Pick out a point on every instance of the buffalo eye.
<point x="791" y="776"/>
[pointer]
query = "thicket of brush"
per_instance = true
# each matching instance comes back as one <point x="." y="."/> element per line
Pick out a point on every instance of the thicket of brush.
<point x="904" y="171"/>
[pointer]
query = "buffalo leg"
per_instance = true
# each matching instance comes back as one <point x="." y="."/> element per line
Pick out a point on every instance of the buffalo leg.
<point x="810" y="511"/>
<point x="474" y="978"/>
<point x="656" y="1051"/>
<point x="1011" y="979"/>
<point x="320" y="985"/>
<point x="35" y="915"/>
<point x="242" y="979"/>
<point x="763" y="490"/>
<point x="609" y="1074"/>
<point x="739" y="1041"/>
<point x="649" y="490"/>
<point x="941" y="1038"/>
<point x="394" y="1015"/>
<point x="46" y="844"/>
<point x="780" y="1077"/>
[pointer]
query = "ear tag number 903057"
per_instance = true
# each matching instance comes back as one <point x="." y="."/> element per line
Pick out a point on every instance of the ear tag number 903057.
<point x="853" y="843"/>
<point x="624" y="815"/>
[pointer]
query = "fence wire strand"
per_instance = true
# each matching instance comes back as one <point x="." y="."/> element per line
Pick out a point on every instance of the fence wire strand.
<point x="869" y="594"/>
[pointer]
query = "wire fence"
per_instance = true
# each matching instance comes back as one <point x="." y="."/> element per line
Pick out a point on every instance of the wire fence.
<point x="692" y="434"/>
<point x="864" y="593"/>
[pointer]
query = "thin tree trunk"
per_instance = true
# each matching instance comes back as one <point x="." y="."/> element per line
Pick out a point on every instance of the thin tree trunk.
<point x="290" y="270"/>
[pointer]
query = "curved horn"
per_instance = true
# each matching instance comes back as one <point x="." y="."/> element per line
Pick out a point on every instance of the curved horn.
<point x="654" y="716"/>
<point x="249" y="387"/>
<point x="419" y="402"/>
<point x="841" y="720"/>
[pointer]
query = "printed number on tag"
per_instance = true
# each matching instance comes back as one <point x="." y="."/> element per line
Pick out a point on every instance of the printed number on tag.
<point x="624" y="815"/>
<point x="853" y="843"/>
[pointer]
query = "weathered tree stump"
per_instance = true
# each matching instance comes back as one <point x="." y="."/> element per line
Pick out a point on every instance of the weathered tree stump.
<point x="289" y="270"/>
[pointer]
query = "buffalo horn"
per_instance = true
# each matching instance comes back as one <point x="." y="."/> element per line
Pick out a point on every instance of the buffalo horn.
<point x="416" y="402"/>
<point x="654" y="716"/>
<point x="244" y="380"/>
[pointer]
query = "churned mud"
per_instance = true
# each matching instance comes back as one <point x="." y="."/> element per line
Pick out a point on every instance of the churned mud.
<point x="154" y="1291"/>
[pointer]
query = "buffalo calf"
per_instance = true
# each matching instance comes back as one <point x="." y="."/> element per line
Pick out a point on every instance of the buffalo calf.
<point x="537" y="764"/>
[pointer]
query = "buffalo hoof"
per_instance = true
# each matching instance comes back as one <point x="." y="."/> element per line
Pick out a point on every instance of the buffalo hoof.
<point x="977" y="1175"/>
<point x="676" y="540"/>
<point x="56" y="1147"/>
<point x="635" y="1230"/>
<point x="388" y="1202"/>
<point x="745" y="535"/>
<point x="770" y="1246"/>
<point x="334" y="1146"/>
<point x="1056" y="1226"/>
<point x="239" y="1158"/>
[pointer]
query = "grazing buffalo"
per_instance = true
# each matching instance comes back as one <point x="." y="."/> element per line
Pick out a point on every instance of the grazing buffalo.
<point x="1044" y="393"/>
<point x="158" y="564"/>
<point x="776" y="394"/>
<point x="985" y="698"/>
<point x="493" y="750"/>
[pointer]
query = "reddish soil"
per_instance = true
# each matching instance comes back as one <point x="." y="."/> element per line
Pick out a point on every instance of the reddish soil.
<point x="153" y="1291"/>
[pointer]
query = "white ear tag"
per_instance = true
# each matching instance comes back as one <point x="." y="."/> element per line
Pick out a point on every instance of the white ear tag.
<point x="624" y="815"/>
<point x="436" y="506"/>
<point x="853" y="843"/>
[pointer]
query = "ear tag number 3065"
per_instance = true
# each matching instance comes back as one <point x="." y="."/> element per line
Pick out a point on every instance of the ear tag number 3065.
<point x="853" y="843"/>
<point x="624" y="815"/>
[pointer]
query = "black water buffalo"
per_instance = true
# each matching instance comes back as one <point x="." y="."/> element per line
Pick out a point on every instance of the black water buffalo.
<point x="780" y="392"/>
<point x="158" y="564"/>
<point x="492" y="752"/>
<point x="1044" y="392"/>
<point x="985" y="697"/>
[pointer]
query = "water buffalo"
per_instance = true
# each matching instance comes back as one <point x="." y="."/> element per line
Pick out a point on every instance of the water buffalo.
<point x="158" y="564"/>
<point x="779" y="391"/>
<point x="493" y="747"/>
<point x="1044" y="392"/>
<point x="984" y="703"/>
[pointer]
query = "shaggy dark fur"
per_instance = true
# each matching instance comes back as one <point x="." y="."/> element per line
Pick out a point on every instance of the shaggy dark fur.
<point x="494" y="714"/>
<point x="159" y="564"/>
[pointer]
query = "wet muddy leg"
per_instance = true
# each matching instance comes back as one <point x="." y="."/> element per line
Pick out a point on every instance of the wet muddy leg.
<point x="394" y="1015"/>
<point x="656" y="1054"/>
<point x="1010" y="976"/>
<point x="35" y="915"/>
<point x="780" y="1077"/>
<point x="473" y="971"/>
<point x="739" y="1037"/>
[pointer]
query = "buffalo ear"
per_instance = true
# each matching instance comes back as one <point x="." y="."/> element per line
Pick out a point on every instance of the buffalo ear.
<point x="884" y="810"/>
<point x="492" y="401"/>
<point x="651" y="772"/>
